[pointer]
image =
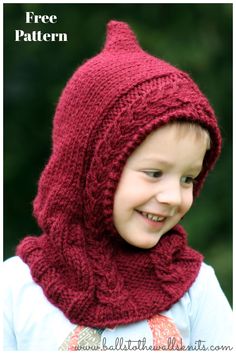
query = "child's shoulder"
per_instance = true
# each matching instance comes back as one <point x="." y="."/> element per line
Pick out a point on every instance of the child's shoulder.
<point x="206" y="277"/>
<point x="206" y="273"/>
<point x="13" y="261"/>
<point x="206" y="289"/>
<point x="15" y="264"/>
<point x="15" y="271"/>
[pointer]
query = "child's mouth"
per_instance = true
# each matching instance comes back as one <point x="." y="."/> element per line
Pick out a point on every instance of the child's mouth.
<point x="152" y="217"/>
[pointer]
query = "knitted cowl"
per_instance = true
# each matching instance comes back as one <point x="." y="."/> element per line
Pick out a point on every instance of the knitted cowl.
<point x="108" y="107"/>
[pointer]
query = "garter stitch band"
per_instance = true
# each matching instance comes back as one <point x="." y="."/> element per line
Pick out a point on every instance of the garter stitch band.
<point x="108" y="107"/>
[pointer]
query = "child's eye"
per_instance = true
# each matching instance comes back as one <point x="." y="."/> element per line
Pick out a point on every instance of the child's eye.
<point x="153" y="174"/>
<point x="187" y="180"/>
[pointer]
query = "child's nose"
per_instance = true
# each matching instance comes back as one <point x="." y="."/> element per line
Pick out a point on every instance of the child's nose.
<point x="170" y="194"/>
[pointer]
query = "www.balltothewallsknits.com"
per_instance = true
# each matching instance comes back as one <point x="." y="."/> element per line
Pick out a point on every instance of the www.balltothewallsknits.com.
<point x="124" y="345"/>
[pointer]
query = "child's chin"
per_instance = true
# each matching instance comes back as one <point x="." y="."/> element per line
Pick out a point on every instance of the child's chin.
<point x="147" y="244"/>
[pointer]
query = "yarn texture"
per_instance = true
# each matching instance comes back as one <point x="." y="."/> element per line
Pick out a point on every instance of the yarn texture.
<point x="108" y="107"/>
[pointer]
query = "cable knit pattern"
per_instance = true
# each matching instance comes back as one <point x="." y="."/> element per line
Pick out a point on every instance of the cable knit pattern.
<point x="108" y="107"/>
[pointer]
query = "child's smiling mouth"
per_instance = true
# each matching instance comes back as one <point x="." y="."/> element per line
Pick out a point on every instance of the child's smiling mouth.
<point x="151" y="218"/>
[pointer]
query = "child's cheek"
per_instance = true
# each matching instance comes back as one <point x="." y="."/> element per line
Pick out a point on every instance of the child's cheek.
<point x="188" y="201"/>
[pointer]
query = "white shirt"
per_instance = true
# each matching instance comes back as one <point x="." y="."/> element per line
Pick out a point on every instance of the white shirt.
<point x="201" y="319"/>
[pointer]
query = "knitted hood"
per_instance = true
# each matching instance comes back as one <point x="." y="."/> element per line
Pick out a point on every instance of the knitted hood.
<point x="108" y="107"/>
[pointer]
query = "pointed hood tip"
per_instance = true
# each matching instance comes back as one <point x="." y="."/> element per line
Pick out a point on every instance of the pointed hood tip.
<point x="120" y="37"/>
<point x="117" y="23"/>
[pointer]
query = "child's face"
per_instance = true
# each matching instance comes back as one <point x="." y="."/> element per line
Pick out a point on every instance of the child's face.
<point x="156" y="185"/>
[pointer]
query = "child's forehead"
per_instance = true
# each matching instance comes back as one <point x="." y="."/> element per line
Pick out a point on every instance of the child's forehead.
<point x="169" y="137"/>
<point x="180" y="129"/>
<point x="176" y="131"/>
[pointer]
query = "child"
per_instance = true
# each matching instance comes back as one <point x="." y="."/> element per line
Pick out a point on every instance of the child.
<point x="133" y="141"/>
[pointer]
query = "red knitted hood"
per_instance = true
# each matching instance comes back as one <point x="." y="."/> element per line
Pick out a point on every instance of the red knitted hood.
<point x="108" y="107"/>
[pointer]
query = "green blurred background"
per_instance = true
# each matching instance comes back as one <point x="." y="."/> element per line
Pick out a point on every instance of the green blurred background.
<point x="195" y="37"/>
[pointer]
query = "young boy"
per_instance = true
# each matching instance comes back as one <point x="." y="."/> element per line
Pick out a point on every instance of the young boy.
<point x="163" y="170"/>
<point x="133" y="141"/>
